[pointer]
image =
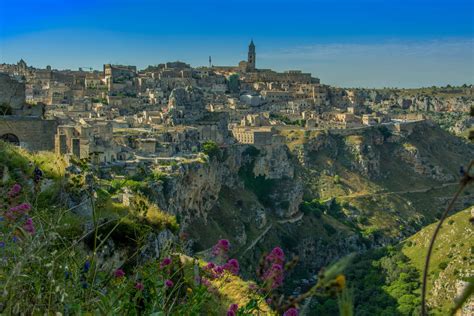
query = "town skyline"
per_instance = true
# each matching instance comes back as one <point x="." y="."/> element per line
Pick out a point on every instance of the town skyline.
<point x="368" y="44"/>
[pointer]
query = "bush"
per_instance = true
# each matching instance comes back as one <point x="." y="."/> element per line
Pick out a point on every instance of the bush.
<point x="443" y="265"/>
<point x="211" y="149"/>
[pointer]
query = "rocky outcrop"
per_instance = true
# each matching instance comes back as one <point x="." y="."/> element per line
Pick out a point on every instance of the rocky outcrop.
<point x="421" y="165"/>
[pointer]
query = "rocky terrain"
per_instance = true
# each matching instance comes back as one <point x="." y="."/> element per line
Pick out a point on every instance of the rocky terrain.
<point x="325" y="194"/>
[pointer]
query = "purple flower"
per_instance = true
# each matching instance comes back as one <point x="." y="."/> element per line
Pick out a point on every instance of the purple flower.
<point x="233" y="307"/>
<point x="21" y="208"/>
<point x="276" y="256"/>
<point x="15" y="190"/>
<point x="232" y="266"/>
<point x="273" y="277"/>
<point x="291" y="312"/>
<point x="29" y="227"/>
<point x="119" y="273"/>
<point x="230" y="313"/>
<point x="165" y="262"/>
<point x="169" y="283"/>
<point x="2" y="244"/>
<point x="221" y="248"/>
<point x="210" y="266"/>
<point x="139" y="286"/>
<point x="277" y="251"/>
<point x="87" y="266"/>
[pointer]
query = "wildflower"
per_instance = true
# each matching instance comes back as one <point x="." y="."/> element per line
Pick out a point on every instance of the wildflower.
<point x="276" y="256"/>
<point x="84" y="285"/>
<point x="169" y="283"/>
<point x="10" y="216"/>
<point x="2" y="244"/>
<point x="165" y="262"/>
<point x="221" y="247"/>
<point x="273" y="277"/>
<point x="14" y="191"/>
<point x="20" y="209"/>
<point x="87" y="266"/>
<point x="119" y="273"/>
<point x="210" y="266"/>
<point x="218" y="271"/>
<point x="291" y="312"/>
<point x="233" y="307"/>
<point x="232" y="266"/>
<point x="232" y="311"/>
<point x="29" y="227"/>
<point x="205" y="282"/>
<point x="139" y="286"/>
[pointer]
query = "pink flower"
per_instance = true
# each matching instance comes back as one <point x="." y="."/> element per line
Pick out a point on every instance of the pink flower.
<point x="276" y="256"/>
<point x="221" y="248"/>
<point x="291" y="312"/>
<point x="206" y="282"/>
<point x="139" y="286"/>
<point x="169" y="283"/>
<point x="15" y="190"/>
<point x="232" y="266"/>
<point x="232" y="311"/>
<point x="277" y="251"/>
<point x="210" y="266"/>
<point x="233" y="307"/>
<point x="274" y="276"/>
<point x="119" y="273"/>
<point x="29" y="227"/>
<point x="165" y="262"/>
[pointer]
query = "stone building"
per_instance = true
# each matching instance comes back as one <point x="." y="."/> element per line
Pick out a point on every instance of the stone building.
<point x="185" y="105"/>
<point x="258" y="136"/>
<point x="20" y="123"/>
<point x="32" y="133"/>
<point x="252" y="57"/>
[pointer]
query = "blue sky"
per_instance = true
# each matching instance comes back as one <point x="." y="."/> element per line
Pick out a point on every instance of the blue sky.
<point x="366" y="43"/>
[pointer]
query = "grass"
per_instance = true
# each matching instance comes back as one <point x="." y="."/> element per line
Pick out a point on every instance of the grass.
<point x="452" y="257"/>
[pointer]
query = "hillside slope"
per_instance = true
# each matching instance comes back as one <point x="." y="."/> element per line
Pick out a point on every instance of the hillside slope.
<point x="452" y="260"/>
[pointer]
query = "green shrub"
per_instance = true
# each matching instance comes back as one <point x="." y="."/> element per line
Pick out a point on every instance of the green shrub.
<point x="443" y="265"/>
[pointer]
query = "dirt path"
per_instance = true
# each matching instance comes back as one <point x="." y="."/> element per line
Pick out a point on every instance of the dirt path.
<point x="424" y="190"/>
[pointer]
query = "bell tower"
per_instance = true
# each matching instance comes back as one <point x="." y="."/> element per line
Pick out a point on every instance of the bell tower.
<point x="252" y="56"/>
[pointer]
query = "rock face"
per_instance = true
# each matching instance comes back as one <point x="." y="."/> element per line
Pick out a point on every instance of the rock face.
<point x="421" y="165"/>
<point x="254" y="197"/>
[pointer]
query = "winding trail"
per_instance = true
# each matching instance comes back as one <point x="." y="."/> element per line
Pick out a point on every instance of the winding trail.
<point x="257" y="239"/>
<point x="424" y="190"/>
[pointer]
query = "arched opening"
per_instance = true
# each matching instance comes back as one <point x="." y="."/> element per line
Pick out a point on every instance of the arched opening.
<point x="10" y="138"/>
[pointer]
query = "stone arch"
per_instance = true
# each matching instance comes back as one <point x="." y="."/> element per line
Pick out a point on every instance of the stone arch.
<point x="10" y="138"/>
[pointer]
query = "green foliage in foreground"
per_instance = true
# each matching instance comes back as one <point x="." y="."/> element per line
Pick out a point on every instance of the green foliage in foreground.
<point x="384" y="283"/>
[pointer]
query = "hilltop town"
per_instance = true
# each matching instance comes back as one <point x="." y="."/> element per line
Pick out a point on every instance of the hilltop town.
<point x="124" y="116"/>
<point x="176" y="157"/>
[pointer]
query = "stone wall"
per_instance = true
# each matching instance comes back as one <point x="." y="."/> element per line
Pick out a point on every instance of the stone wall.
<point x="34" y="133"/>
<point x="12" y="92"/>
